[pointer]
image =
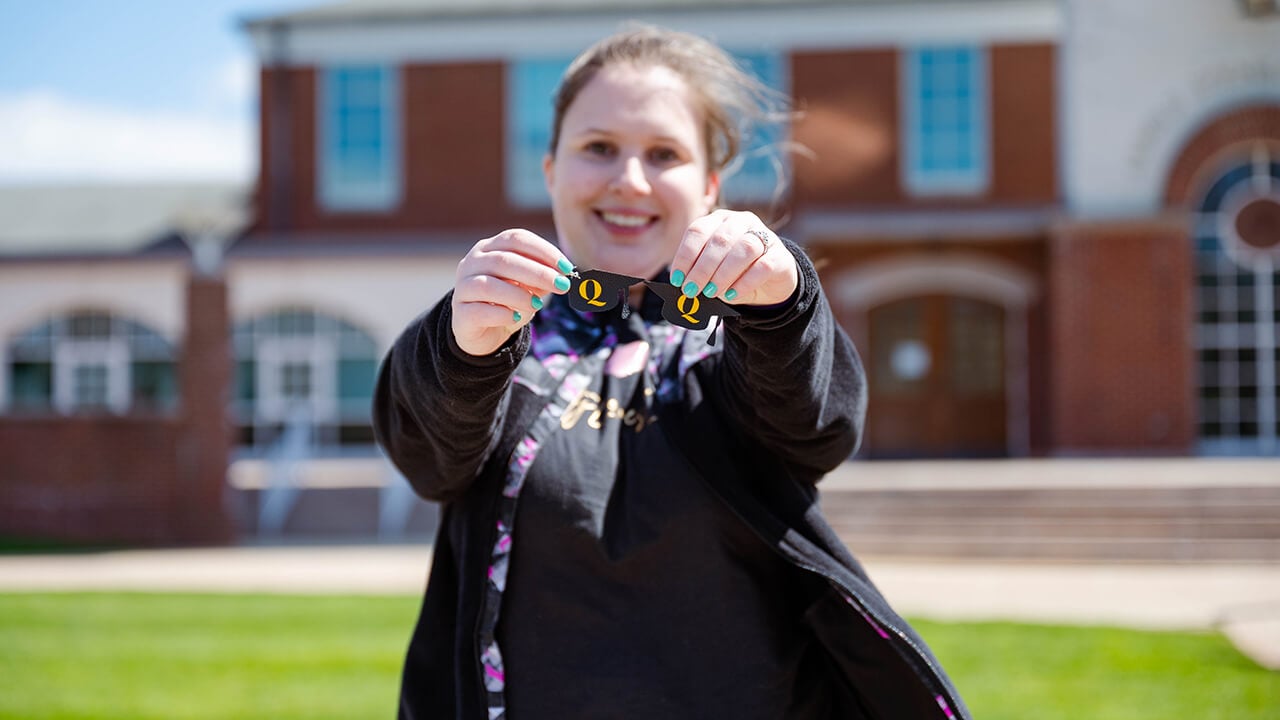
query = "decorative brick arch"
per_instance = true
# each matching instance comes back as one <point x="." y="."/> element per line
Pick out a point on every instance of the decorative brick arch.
<point x="1234" y="132"/>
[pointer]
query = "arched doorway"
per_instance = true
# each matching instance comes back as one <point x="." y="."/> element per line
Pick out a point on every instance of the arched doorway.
<point x="945" y="345"/>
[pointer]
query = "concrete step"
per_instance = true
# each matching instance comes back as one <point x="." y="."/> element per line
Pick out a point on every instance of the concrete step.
<point x="1088" y="522"/>
<point x="1161" y="510"/>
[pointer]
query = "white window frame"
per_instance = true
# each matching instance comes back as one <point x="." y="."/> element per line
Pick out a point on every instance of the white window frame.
<point x="335" y="193"/>
<point x="922" y="182"/>
<point x="69" y="355"/>
<point x="273" y="354"/>
<point x="6" y="365"/>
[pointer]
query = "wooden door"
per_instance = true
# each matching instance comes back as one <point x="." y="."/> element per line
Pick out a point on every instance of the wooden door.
<point x="937" y="378"/>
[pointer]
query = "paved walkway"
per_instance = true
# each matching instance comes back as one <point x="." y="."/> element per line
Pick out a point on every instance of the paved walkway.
<point x="1243" y="601"/>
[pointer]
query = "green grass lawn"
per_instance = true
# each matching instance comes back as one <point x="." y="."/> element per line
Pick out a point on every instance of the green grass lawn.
<point x="142" y="656"/>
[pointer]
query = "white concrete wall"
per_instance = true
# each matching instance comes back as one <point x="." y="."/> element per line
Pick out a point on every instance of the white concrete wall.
<point x="1139" y="78"/>
<point x="152" y="293"/>
<point x="377" y="295"/>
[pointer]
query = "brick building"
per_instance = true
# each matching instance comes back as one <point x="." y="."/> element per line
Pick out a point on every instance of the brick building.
<point x="116" y="361"/>
<point x="1006" y="197"/>
<point x="1052" y="227"/>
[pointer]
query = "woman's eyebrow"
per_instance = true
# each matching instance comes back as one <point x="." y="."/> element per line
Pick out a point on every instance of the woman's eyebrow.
<point x="612" y="133"/>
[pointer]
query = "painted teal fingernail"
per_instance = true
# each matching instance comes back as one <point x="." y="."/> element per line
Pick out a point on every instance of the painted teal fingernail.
<point x="709" y="290"/>
<point x="562" y="283"/>
<point x="564" y="266"/>
<point x="515" y="315"/>
<point x="690" y="289"/>
<point x="730" y="294"/>
<point x="536" y="302"/>
<point x="677" y="278"/>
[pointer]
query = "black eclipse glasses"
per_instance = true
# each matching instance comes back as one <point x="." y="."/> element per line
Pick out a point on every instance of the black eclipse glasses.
<point x="601" y="291"/>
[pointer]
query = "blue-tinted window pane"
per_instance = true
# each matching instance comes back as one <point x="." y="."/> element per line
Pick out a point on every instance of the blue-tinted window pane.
<point x="31" y="385"/>
<point x="296" y="322"/>
<point x="764" y="166"/>
<point x="246" y="380"/>
<point x="155" y="385"/>
<point x="359" y="144"/>
<point x="144" y="343"/>
<point x="356" y="378"/>
<point x="945" y="120"/>
<point x="90" y="384"/>
<point x="35" y="344"/>
<point x="531" y="86"/>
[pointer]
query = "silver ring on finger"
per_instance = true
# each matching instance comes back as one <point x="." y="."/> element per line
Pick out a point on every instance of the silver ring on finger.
<point x="766" y="237"/>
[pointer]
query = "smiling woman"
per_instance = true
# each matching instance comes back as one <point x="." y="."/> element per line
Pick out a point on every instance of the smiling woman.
<point x="663" y="557"/>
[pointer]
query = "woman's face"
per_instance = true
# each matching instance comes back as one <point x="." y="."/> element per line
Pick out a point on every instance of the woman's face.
<point x="630" y="171"/>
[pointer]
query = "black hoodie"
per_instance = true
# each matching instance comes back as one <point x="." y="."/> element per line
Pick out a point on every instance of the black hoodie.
<point x="759" y="417"/>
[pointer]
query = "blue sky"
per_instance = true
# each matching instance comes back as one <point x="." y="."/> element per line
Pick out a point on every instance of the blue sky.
<point x="128" y="90"/>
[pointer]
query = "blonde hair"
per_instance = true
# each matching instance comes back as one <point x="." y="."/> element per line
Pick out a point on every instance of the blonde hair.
<point x="733" y="101"/>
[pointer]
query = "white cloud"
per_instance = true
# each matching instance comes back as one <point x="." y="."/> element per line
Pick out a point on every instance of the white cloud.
<point x="236" y="80"/>
<point x="48" y="137"/>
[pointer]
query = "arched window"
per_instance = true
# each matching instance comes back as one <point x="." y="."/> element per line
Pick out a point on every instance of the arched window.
<point x="90" y="361"/>
<point x="1238" y="308"/>
<point x="297" y="365"/>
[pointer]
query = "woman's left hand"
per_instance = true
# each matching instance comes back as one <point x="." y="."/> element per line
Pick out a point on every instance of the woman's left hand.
<point x="734" y="256"/>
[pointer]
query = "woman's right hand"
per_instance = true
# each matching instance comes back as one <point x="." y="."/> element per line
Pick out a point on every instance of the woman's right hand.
<point x="500" y="284"/>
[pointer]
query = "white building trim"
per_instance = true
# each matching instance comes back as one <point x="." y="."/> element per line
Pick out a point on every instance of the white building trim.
<point x="967" y="275"/>
<point x="379" y="296"/>
<point x="152" y="294"/>
<point x="504" y="37"/>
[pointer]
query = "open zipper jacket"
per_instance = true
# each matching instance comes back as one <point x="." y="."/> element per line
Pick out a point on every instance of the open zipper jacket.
<point x="760" y="416"/>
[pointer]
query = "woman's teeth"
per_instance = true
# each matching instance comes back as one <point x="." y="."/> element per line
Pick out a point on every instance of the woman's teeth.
<point x="631" y="221"/>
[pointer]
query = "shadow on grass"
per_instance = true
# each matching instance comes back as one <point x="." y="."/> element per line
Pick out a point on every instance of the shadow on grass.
<point x="46" y="546"/>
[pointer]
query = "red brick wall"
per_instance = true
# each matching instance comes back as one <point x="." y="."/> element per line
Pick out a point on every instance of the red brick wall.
<point x="1121" y="345"/>
<point x="1024" y="131"/>
<point x="90" y="479"/>
<point x="453" y="128"/>
<point x="852" y="123"/>
<point x="452" y="162"/>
